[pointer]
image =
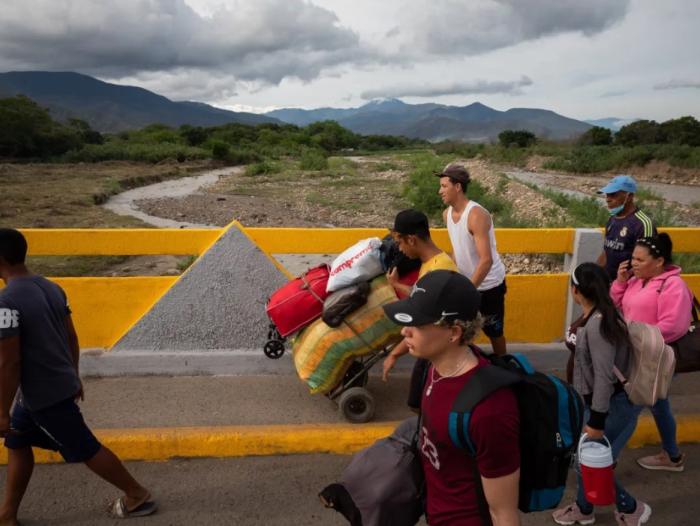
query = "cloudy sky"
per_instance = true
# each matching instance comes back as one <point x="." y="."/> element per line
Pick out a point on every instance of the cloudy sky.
<point x="582" y="58"/>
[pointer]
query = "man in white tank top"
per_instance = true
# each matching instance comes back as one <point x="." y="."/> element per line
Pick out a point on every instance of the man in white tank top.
<point x="474" y="249"/>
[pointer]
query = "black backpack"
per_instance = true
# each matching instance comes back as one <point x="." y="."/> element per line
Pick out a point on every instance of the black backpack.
<point x="392" y="257"/>
<point x="551" y="421"/>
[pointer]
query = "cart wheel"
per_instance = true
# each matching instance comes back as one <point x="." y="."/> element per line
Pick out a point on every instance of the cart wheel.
<point x="274" y="349"/>
<point x="357" y="405"/>
<point x="353" y="370"/>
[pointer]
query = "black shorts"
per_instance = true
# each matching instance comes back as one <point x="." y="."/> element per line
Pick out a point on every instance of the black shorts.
<point x="493" y="310"/>
<point x="59" y="427"/>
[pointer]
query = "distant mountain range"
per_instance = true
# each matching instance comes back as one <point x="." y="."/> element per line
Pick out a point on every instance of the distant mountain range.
<point x="611" y="123"/>
<point x="436" y="122"/>
<point x="111" y="107"/>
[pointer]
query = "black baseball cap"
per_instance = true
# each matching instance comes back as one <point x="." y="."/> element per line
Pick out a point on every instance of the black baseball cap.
<point x="411" y="222"/>
<point x="457" y="172"/>
<point x="439" y="295"/>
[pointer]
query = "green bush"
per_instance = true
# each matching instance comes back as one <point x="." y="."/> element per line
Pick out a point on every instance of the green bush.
<point x="313" y="160"/>
<point x="596" y="136"/>
<point x="220" y="150"/>
<point x="237" y="156"/>
<point x="516" y="138"/>
<point x="117" y="150"/>
<point x="262" y="168"/>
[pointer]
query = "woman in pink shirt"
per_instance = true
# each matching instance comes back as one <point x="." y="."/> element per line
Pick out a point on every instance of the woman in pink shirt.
<point x="653" y="292"/>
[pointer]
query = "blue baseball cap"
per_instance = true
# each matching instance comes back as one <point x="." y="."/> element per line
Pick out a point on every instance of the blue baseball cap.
<point x="620" y="183"/>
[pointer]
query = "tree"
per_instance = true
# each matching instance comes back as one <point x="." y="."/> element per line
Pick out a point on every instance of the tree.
<point x="685" y="130"/>
<point x="596" y="136"/>
<point x="517" y="138"/>
<point x="27" y="130"/>
<point x="640" y="132"/>
<point x="86" y="133"/>
<point x="193" y="135"/>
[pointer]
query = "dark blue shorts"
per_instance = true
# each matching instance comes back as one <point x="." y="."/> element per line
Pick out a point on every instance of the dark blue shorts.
<point x="59" y="428"/>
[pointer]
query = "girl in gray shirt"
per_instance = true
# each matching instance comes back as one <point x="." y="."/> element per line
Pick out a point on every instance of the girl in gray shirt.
<point x="601" y="344"/>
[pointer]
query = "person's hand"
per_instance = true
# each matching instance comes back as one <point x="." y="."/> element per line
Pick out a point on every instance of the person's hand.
<point x="623" y="271"/>
<point x="387" y="366"/>
<point x="393" y="277"/>
<point x="80" y="395"/>
<point x="4" y="425"/>
<point x="595" y="434"/>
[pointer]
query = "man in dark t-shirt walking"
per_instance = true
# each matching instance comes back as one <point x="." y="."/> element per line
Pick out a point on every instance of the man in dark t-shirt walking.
<point x="39" y="371"/>
<point x="441" y="318"/>
<point x="626" y="225"/>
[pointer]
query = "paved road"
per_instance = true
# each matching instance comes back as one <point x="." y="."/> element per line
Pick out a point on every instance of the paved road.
<point x="271" y="491"/>
<point x="237" y="400"/>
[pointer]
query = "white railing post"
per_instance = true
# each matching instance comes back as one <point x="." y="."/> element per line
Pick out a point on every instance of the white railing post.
<point x="588" y="244"/>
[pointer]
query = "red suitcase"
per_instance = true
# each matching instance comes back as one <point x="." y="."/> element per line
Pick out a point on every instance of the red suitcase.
<point x="299" y="302"/>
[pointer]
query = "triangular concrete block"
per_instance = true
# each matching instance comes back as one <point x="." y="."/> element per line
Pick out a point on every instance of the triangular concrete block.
<point x="219" y="303"/>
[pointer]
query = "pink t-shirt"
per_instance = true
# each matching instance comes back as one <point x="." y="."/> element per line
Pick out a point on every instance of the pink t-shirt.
<point x="449" y="471"/>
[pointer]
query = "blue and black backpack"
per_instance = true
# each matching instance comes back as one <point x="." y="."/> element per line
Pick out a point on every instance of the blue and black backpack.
<point x="551" y="421"/>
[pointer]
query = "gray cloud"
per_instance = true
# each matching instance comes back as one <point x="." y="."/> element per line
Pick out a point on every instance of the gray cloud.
<point x="618" y="93"/>
<point x="511" y="87"/>
<point x="478" y="26"/>
<point x="678" y="84"/>
<point x="265" y="40"/>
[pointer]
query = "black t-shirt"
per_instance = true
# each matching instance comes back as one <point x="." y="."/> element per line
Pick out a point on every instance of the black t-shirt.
<point x="35" y="309"/>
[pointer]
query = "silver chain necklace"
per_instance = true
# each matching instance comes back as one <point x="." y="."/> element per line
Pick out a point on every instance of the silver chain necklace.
<point x="433" y="381"/>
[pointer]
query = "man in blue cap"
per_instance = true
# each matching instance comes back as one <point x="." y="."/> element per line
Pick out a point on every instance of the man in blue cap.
<point x="626" y="225"/>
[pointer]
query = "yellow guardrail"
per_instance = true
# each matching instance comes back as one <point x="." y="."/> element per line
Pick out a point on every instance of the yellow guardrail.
<point x="334" y="240"/>
<point x="105" y="308"/>
<point x="118" y="242"/>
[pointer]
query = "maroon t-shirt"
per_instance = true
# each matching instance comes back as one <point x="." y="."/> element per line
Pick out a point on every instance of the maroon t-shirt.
<point x="449" y="471"/>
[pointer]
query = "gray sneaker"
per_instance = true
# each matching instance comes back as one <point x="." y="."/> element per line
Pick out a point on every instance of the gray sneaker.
<point x="572" y="514"/>
<point x="661" y="462"/>
<point x="640" y="516"/>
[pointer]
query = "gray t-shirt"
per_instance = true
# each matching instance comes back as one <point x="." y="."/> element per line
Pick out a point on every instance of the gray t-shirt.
<point x="35" y="309"/>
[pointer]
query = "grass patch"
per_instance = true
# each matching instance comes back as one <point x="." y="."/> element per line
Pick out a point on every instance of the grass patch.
<point x="384" y="166"/>
<point x="645" y="193"/>
<point x="421" y="190"/>
<point x="313" y="160"/>
<point x="317" y="198"/>
<point x="263" y="167"/>
<point x="689" y="262"/>
<point x="66" y="196"/>
<point x="585" y="212"/>
<point x="184" y="263"/>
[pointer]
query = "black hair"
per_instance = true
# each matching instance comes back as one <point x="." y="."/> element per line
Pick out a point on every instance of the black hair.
<point x="423" y="235"/>
<point x="13" y="246"/>
<point x="461" y="184"/>
<point x="659" y="246"/>
<point x="593" y="283"/>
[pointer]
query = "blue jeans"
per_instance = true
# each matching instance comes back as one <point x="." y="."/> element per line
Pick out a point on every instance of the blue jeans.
<point x="666" y="424"/>
<point x="619" y="427"/>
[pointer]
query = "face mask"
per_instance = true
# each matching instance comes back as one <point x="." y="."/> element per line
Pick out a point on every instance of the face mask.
<point x="618" y="209"/>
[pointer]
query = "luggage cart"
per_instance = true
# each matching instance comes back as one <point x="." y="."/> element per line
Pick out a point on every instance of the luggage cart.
<point x="355" y="402"/>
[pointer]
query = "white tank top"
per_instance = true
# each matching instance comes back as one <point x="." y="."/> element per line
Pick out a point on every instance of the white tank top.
<point x="464" y="248"/>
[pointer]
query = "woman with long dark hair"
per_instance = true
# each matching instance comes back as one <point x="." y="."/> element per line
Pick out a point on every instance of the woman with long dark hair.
<point x="601" y="345"/>
<point x="652" y="291"/>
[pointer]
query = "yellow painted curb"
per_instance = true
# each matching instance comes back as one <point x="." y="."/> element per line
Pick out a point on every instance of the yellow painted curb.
<point x="154" y="444"/>
<point x="162" y="443"/>
<point x="688" y="430"/>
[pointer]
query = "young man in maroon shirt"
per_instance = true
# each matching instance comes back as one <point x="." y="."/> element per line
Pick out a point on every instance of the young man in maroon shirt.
<point x="441" y="319"/>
